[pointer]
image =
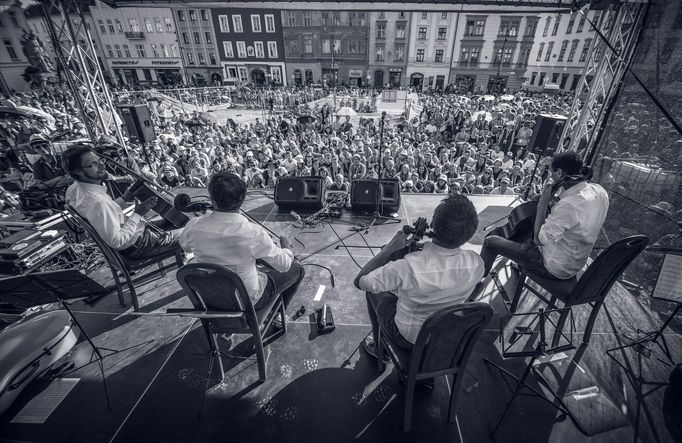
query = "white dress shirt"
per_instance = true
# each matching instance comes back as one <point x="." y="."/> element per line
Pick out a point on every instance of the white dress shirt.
<point x="231" y="240"/>
<point x="105" y="214"/>
<point x="572" y="227"/>
<point x="425" y="282"/>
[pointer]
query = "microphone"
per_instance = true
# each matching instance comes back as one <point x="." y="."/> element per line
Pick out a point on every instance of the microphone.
<point x="183" y="202"/>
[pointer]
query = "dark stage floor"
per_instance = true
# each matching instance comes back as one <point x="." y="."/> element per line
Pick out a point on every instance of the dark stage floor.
<point x="322" y="388"/>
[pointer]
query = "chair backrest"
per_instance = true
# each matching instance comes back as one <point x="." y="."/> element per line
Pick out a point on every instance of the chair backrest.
<point x="448" y="336"/>
<point x="595" y="284"/>
<point x="111" y="255"/>
<point x="212" y="287"/>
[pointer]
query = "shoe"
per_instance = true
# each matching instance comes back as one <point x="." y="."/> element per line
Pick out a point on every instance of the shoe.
<point x="370" y="347"/>
<point x="277" y="323"/>
<point x="228" y="339"/>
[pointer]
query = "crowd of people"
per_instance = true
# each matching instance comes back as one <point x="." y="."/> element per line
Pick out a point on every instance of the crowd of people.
<point x="449" y="143"/>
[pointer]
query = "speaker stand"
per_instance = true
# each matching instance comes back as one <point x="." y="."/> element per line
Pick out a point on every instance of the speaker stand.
<point x="377" y="203"/>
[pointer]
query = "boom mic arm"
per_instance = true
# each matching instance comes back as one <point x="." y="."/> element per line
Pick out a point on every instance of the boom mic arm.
<point x="184" y="203"/>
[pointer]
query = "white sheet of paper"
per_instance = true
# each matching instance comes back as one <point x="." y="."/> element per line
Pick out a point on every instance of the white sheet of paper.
<point x="39" y="408"/>
<point x="669" y="284"/>
<point x="320" y="291"/>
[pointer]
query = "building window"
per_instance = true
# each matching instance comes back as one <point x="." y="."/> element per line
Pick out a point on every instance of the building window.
<point x="260" y="53"/>
<point x="155" y="51"/>
<point x="525" y="55"/>
<point x="224" y="23"/>
<point x="424" y="15"/>
<point x="307" y="19"/>
<point x="174" y="49"/>
<point x="197" y="38"/>
<point x="209" y="39"/>
<point x="201" y="58"/>
<point x="531" y="27"/>
<point x="380" y="53"/>
<point x="557" y="21"/>
<point x="555" y="77"/>
<point x="420" y="55"/>
<point x="442" y="33"/>
<point x="547" y="23"/>
<point x="227" y="48"/>
<point x="126" y="51"/>
<point x="381" y="31"/>
<point x="237" y="23"/>
<point x="474" y="27"/>
<point x="211" y="58"/>
<point x="190" y="58"/>
<point x="326" y="46"/>
<point x="291" y="19"/>
<point x="542" y="78"/>
<point x="10" y="49"/>
<point x="119" y="26"/>
<point x="157" y="23"/>
<point x="533" y="76"/>
<point x="164" y="51"/>
<point x="574" y="48"/>
<point x="276" y="73"/>
<point x="140" y="51"/>
<point x="204" y="14"/>
<point x="192" y="15"/>
<point x="169" y="24"/>
<point x="255" y="23"/>
<point x="399" y="53"/>
<point x="422" y="33"/>
<point x="400" y="31"/>
<point x="509" y="28"/>
<point x="444" y="15"/>
<point x="540" y="49"/>
<point x="181" y="16"/>
<point x="272" y="49"/>
<point x="134" y="26"/>
<point x="13" y="18"/>
<point x="185" y="38"/>
<point x="110" y="53"/>
<point x="562" y="50"/>
<point x="507" y="56"/>
<point x="439" y="56"/>
<point x="581" y="23"/>
<point x="586" y="49"/>
<point x="110" y="26"/>
<point x="269" y="23"/>
<point x="293" y="46"/>
<point x="148" y="25"/>
<point x="243" y="75"/>
<point x="102" y="28"/>
<point x="241" y="49"/>
<point x="550" y="46"/>
<point x="336" y="17"/>
<point x="571" y="21"/>
<point x="117" y="49"/>
<point x="307" y="44"/>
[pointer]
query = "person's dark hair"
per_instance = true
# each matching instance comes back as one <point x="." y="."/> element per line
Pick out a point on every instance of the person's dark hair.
<point x="71" y="158"/>
<point x="571" y="163"/>
<point x="455" y="220"/>
<point x="227" y="190"/>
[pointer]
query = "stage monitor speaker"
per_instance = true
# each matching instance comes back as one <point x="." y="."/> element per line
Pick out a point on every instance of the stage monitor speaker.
<point x="299" y="193"/>
<point x="138" y="122"/>
<point x="546" y="134"/>
<point x="364" y="195"/>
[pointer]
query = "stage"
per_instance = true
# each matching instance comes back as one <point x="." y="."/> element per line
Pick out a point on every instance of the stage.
<point x="322" y="387"/>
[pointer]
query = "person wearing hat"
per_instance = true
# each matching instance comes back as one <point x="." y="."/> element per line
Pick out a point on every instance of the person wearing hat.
<point x="49" y="166"/>
<point x="441" y="186"/>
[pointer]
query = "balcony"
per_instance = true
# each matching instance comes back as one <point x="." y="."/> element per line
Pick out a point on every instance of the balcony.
<point x="135" y="35"/>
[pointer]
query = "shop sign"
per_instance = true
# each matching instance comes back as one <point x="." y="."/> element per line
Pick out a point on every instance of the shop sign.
<point x="395" y="70"/>
<point x="355" y="73"/>
<point x="165" y="62"/>
<point x="125" y="63"/>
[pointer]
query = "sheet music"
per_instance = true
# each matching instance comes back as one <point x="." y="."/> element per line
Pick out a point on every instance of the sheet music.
<point x="669" y="284"/>
<point x="39" y="408"/>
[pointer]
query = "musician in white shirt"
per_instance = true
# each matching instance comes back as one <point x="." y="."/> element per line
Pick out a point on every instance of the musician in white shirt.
<point x="561" y="242"/>
<point x="132" y="237"/>
<point x="402" y="294"/>
<point x="226" y="237"/>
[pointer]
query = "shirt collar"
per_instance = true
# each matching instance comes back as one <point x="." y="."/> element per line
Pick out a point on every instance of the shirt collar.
<point x="231" y="216"/>
<point x="432" y="247"/>
<point x="573" y="190"/>
<point x="90" y="187"/>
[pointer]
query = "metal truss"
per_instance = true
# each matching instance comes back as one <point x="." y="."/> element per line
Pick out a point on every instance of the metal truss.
<point x="78" y="61"/>
<point x="604" y="71"/>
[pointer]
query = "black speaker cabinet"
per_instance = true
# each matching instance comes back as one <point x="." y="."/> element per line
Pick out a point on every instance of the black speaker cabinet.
<point x="546" y="134"/>
<point x="364" y="195"/>
<point x="138" y="122"/>
<point x="299" y="193"/>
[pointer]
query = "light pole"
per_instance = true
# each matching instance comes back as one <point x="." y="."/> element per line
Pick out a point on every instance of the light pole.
<point x="499" y="64"/>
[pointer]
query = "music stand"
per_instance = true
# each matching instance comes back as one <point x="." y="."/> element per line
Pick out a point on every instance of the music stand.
<point x="40" y="288"/>
<point x="668" y="288"/>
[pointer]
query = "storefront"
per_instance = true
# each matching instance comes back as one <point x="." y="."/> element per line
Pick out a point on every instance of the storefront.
<point x="395" y="77"/>
<point x="417" y="81"/>
<point x="258" y="74"/>
<point x="355" y="77"/>
<point x="147" y="71"/>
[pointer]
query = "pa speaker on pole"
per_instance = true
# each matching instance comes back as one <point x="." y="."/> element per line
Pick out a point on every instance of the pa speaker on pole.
<point x="138" y="122"/>
<point x="364" y="195"/>
<point x="299" y="193"/>
<point x="546" y="134"/>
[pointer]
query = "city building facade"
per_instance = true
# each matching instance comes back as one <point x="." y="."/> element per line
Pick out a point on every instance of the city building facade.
<point x="559" y="54"/>
<point x="140" y="44"/>
<point x="387" y="57"/>
<point x="198" y="47"/>
<point x="13" y="62"/>
<point x="431" y="40"/>
<point x="326" y="47"/>
<point x="250" y="46"/>
<point x="492" y="50"/>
